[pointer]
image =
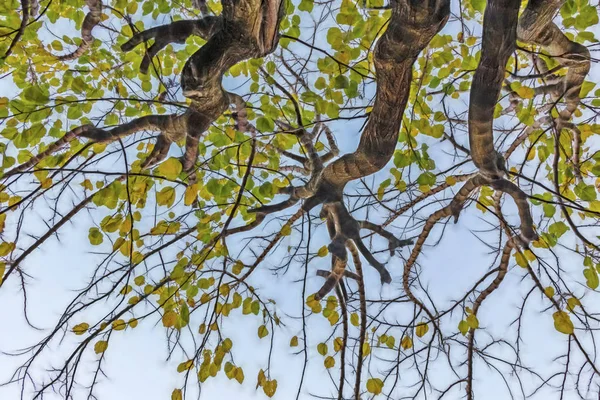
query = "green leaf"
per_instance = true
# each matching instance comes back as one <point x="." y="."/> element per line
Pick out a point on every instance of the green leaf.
<point x="264" y="124"/>
<point x="585" y="192"/>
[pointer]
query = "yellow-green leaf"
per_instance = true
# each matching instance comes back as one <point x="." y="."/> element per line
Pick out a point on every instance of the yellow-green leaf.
<point x="176" y="395"/>
<point x="81" y="328"/>
<point x="406" y="342"/>
<point x="472" y="321"/>
<point x="563" y="323"/>
<point x="422" y="329"/>
<point x="375" y="386"/>
<point x="329" y="362"/>
<point x="270" y="387"/>
<point x="262" y="331"/>
<point x="294" y="341"/>
<point x="100" y="346"/>
<point x="322" y="348"/>
<point x="170" y="169"/>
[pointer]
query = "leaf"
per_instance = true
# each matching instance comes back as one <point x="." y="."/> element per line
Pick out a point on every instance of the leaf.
<point x="36" y="95"/>
<point x="366" y="348"/>
<point x="262" y="331"/>
<point x="549" y="291"/>
<point x="169" y="319"/>
<point x="563" y="323"/>
<point x="264" y="124"/>
<point x="390" y="342"/>
<point x="81" y="328"/>
<point x="354" y="319"/>
<point x="323" y="251"/>
<point x="100" y="346"/>
<point x="239" y="375"/>
<point x="375" y="386"/>
<point x="322" y="348"/>
<point x="591" y="278"/>
<point x="338" y="343"/>
<point x="119" y="325"/>
<point x="573" y="302"/>
<point x="406" y="342"/>
<point x="185" y="366"/>
<point x="166" y="197"/>
<point x="286" y="230"/>
<point x="329" y="362"/>
<point x="170" y="169"/>
<point x="463" y="327"/>
<point x="472" y="321"/>
<point x="95" y="236"/>
<point x="191" y="193"/>
<point x="177" y="395"/>
<point x="422" y="329"/>
<point x="294" y="341"/>
<point x="270" y="387"/>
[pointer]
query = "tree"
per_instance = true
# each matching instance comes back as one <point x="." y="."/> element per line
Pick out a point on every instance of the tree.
<point x="459" y="103"/>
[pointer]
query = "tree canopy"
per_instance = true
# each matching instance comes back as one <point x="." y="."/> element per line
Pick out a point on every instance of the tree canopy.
<point x="285" y="170"/>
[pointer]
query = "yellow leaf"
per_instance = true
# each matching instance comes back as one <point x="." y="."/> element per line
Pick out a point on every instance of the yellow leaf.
<point x="323" y="251"/>
<point x="176" y="395"/>
<point x="139" y="280"/>
<point x="270" y="387"/>
<point x="81" y="328"/>
<point x="406" y="342"/>
<point x="170" y="169"/>
<point x="375" y="386"/>
<point x="390" y="342"/>
<point x="294" y="341"/>
<point x="169" y="318"/>
<point x="286" y="230"/>
<point x="126" y="290"/>
<point x="133" y="322"/>
<point x="549" y="291"/>
<point x="338" y="343"/>
<point x="521" y="260"/>
<point x="191" y="192"/>
<point x="262" y="331"/>
<point x="119" y="325"/>
<point x="6" y="248"/>
<point x="366" y="349"/>
<point x="572" y="303"/>
<point x="354" y="319"/>
<point x="185" y="366"/>
<point x="451" y="180"/>
<point x="422" y="329"/>
<point x="239" y="375"/>
<point x="463" y="327"/>
<point x="525" y="92"/>
<point x="166" y="197"/>
<point x="322" y="348"/>
<point x="100" y="346"/>
<point x="329" y="362"/>
<point x="562" y="322"/>
<point x="472" y="321"/>
<point x="261" y="379"/>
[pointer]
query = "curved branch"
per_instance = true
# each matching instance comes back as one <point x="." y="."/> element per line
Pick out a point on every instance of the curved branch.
<point x="92" y="18"/>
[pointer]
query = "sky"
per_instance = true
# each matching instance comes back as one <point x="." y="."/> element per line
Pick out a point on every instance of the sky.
<point x="136" y="363"/>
